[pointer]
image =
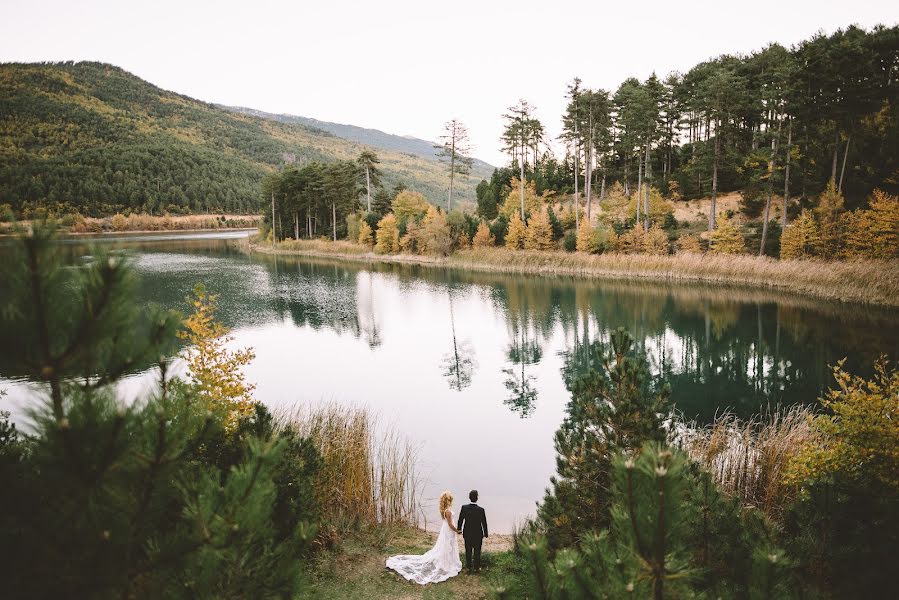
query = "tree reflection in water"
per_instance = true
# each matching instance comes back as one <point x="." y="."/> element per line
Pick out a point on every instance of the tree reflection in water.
<point x="522" y="392"/>
<point x="458" y="365"/>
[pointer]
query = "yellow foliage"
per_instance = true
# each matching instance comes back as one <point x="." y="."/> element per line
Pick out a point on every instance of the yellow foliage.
<point x="216" y="371"/>
<point x="658" y="206"/>
<point x="365" y="234"/>
<point x="655" y="241"/>
<point x="409" y="241"/>
<point x="119" y="222"/>
<point x="860" y="439"/>
<point x="726" y="238"/>
<point x="539" y="233"/>
<point x="408" y="205"/>
<point x="830" y="222"/>
<point x="516" y="234"/>
<point x="801" y="238"/>
<point x="482" y="237"/>
<point x="586" y="241"/>
<point x="435" y="236"/>
<point x="631" y="241"/>
<point x="388" y="235"/>
<point x="689" y="243"/>
<point x="512" y="204"/>
<point x="874" y="233"/>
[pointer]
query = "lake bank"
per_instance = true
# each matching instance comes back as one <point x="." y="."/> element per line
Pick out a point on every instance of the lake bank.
<point x="864" y="282"/>
<point x="356" y="568"/>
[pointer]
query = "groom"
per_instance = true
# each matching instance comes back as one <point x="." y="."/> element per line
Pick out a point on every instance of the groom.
<point x="473" y="523"/>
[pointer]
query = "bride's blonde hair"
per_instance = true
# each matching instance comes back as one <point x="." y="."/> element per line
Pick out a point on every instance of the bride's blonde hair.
<point x="446" y="498"/>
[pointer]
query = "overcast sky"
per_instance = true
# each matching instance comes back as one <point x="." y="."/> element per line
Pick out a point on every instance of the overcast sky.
<point x="407" y="66"/>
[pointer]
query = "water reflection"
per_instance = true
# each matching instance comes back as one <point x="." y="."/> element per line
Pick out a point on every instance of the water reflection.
<point x="459" y="364"/>
<point x="428" y="348"/>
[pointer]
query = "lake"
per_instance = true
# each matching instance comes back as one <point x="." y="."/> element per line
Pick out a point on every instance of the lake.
<point x="469" y="366"/>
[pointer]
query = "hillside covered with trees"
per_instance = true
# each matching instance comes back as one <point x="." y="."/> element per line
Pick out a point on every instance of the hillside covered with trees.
<point x="93" y="138"/>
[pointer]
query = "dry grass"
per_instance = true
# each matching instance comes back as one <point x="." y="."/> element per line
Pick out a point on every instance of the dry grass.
<point x="312" y="247"/>
<point x="873" y="281"/>
<point x="747" y="459"/>
<point x="367" y="478"/>
<point x="143" y="222"/>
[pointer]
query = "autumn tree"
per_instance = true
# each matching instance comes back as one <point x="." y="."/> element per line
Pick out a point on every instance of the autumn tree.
<point x="435" y="237"/>
<point x="365" y="234"/>
<point x="802" y="239"/>
<point x="539" y="233"/>
<point x="483" y="238"/>
<point x="409" y="205"/>
<point x="726" y="239"/>
<point x="387" y="235"/>
<point x="216" y="371"/>
<point x="516" y="233"/>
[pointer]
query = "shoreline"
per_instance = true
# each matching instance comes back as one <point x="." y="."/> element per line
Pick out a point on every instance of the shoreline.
<point x="850" y="282"/>
<point x="88" y="234"/>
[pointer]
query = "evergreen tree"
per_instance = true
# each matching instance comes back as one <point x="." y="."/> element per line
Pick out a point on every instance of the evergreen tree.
<point x="614" y="406"/>
<point x="108" y="499"/>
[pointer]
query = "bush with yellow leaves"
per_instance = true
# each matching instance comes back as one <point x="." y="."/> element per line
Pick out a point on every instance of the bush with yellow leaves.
<point x="726" y="238"/>
<point x="365" y="234"/>
<point x="516" y="234"/>
<point x="801" y="238"/>
<point x="216" y="371"/>
<point x="482" y="237"/>
<point x="388" y="235"/>
<point x="539" y="233"/>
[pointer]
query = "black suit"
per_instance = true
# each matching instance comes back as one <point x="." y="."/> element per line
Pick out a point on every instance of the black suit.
<point x="473" y="523"/>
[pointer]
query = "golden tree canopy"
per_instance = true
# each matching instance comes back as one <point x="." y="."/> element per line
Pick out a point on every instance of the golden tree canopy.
<point x="388" y="235"/>
<point x="516" y="234"/>
<point x="726" y="239"/>
<point x="409" y="204"/>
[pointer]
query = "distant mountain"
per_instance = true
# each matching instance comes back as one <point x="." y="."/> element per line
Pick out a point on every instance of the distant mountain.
<point x="369" y="137"/>
<point x="92" y="137"/>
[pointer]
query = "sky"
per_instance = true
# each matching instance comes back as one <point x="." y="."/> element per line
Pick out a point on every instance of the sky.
<point x="408" y="66"/>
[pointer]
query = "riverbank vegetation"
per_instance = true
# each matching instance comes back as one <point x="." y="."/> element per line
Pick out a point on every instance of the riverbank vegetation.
<point x="75" y="223"/>
<point x="194" y="490"/>
<point x="801" y="505"/>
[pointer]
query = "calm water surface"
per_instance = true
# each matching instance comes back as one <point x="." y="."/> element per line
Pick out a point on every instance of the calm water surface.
<point x="470" y="366"/>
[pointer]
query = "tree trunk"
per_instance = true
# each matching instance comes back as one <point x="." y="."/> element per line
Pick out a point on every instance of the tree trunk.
<point x="714" y="181"/>
<point x="843" y="168"/>
<point x="647" y="174"/>
<point x="770" y="191"/>
<point x="521" y="164"/>
<point x="639" y="189"/>
<point x="334" y="219"/>
<point x="588" y="183"/>
<point x="296" y="225"/>
<point x="783" y="218"/>
<point x="577" y="208"/>
<point x="602" y="186"/>
<point x="449" y="204"/>
<point x="836" y="150"/>
<point x="273" y="219"/>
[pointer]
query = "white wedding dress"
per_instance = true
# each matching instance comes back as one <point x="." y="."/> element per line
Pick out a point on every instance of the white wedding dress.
<point x="437" y="564"/>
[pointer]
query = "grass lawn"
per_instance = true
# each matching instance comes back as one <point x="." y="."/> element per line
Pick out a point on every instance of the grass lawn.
<point x="356" y="570"/>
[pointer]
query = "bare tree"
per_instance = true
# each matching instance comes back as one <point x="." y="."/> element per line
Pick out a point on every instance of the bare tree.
<point x="454" y="149"/>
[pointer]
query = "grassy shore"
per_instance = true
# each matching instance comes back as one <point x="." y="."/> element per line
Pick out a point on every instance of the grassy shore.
<point x="869" y="282"/>
<point x="141" y="223"/>
<point x="356" y="569"/>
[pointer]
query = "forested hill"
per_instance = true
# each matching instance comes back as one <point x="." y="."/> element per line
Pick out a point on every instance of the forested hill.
<point x="370" y="137"/>
<point x="95" y="138"/>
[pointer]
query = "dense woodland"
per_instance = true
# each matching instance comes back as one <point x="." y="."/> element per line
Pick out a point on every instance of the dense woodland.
<point x="790" y="119"/>
<point x="92" y="138"/>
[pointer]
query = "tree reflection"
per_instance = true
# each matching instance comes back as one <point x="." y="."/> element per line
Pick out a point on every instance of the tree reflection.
<point x="522" y="392"/>
<point x="458" y="365"/>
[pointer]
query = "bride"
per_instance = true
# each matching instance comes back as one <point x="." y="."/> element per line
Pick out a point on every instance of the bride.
<point x="440" y="562"/>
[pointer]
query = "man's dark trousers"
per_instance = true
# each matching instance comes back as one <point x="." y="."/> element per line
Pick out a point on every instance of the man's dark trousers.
<point x="473" y="523"/>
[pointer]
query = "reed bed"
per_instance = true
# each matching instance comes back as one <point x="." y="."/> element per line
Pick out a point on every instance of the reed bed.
<point x="747" y="459"/>
<point x="868" y="281"/>
<point x="329" y="247"/>
<point x="367" y="477"/>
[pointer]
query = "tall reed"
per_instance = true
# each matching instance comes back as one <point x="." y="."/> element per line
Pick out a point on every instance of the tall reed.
<point x="747" y="458"/>
<point x="368" y="476"/>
